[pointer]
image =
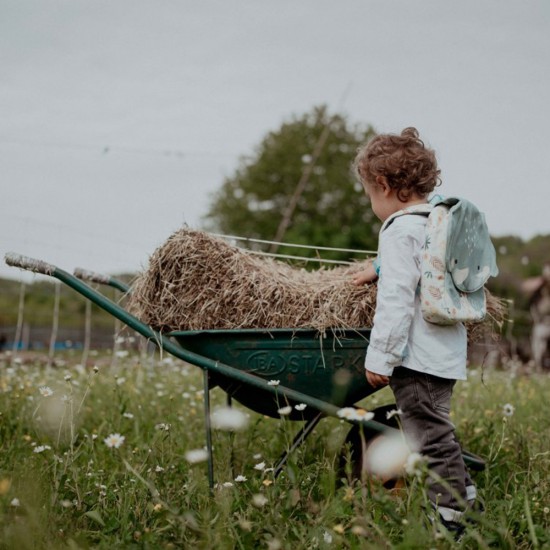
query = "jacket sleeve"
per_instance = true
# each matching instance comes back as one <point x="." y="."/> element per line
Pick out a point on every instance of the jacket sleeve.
<point x="395" y="302"/>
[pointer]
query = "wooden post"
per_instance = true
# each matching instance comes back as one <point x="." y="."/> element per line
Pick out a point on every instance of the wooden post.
<point x="20" y="312"/>
<point x="87" y="332"/>
<point x="55" y="323"/>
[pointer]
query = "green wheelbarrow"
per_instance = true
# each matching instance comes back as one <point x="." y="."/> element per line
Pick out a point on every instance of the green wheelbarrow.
<point x="262" y="369"/>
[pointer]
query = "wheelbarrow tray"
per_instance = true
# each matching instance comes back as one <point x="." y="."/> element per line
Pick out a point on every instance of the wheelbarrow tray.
<point x="328" y="366"/>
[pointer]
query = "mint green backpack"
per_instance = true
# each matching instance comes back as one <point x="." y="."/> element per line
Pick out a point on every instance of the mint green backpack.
<point x="458" y="258"/>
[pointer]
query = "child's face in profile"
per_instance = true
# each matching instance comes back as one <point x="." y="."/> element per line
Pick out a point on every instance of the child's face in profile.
<point x="380" y="199"/>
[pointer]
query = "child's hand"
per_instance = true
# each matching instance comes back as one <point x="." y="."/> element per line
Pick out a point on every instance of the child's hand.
<point x="366" y="276"/>
<point x="377" y="380"/>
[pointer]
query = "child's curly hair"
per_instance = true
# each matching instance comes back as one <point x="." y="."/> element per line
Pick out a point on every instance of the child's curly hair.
<point x="403" y="160"/>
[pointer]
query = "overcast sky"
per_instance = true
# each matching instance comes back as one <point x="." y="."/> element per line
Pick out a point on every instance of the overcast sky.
<point x="119" y="118"/>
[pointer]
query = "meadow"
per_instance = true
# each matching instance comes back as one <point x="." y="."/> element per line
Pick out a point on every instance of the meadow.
<point x="112" y="456"/>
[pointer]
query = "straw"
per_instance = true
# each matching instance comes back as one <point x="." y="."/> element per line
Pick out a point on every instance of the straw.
<point x="197" y="281"/>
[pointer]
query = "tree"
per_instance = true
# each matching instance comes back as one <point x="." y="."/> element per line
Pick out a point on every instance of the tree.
<point x="315" y="152"/>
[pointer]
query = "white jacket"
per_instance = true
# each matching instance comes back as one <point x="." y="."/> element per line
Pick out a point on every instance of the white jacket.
<point x="400" y="335"/>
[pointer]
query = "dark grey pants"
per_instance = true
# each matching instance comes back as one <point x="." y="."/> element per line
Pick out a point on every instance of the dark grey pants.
<point x="425" y="402"/>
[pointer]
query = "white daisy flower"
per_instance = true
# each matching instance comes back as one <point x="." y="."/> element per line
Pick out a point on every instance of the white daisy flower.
<point x="508" y="410"/>
<point x="114" y="440"/>
<point x="45" y="391"/>
<point x="346" y="412"/>
<point x="260" y="466"/>
<point x="273" y="382"/>
<point x="15" y="502"/>
<point x="240" y="479"/>
<point x="159" y="469"/>
<point x="300" y="406"/>
<point x="259" y="500"/>
<point x="414" y="464"/>
<point x="394" y="412"/>
<point x="228" y="419"/>
<point x="41" y="448"/>
<point x="194" y="456"/>
<point x="128" y="415"/>
<point x="284" y="411"/>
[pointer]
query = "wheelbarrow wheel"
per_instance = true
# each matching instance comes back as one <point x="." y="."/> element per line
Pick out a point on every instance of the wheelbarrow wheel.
<point x="356" y="447"/>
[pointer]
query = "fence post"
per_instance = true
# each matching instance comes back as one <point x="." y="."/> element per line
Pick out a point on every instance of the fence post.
<point x="55" y="323"/>
<point x="20" y="312"/>
<point x="87" y="332"/>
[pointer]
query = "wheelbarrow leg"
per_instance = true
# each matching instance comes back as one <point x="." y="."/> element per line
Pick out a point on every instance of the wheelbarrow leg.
<point x="206" y="378"/>
<point x="298" y="440"/>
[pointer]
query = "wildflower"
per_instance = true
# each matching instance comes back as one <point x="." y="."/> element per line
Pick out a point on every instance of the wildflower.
<point x="240" y="479"/>
<point x="546" y="510"/>
<point x="15" y="502"/>
<point x="362" y="414"/>
<point x="284" y="411"/>
<point x="45" y="391"/>
<point x="227" y="484"/>
<point x="162" y="427"/>
<point x="267" y="482"/>
<point x="300" y="406"/>
<point x="159" y="469"/>
<point x="95" y="369"/>
<point x="359" y="531"/>
<point x="327" y="537"/>
<point x="260" y="466"/>
<point x="229" y="419"/>
<point x="128" y="415"/>
<point x="414" y="464"/>
<point x="41" y="448"/>
<point x="195" y="456"/>
<point x="273" y="382"/>
<point x="339" y="528"/>
<point x="386" y="456"/>
<point x="257" y="456"/>
<point x="259" y="500"/>
<point x="114" y="440"/>
<point x="351" y="413"/>
<point x="394" y="412"/>
<point x="67" y="377"/>
<point x="508" y="410"/>
<point x="346" y="412"/>
<point x="5" y="485"/>
<point x="157" y="507"/>
<point x="94" y="437"/>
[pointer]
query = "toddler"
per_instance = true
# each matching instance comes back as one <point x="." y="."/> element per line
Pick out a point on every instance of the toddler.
<point x="419" y="360"/>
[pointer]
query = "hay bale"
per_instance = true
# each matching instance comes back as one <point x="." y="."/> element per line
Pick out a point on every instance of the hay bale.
<point x="196" y="281"/>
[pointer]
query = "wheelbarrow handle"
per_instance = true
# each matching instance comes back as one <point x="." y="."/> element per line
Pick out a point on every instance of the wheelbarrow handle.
<point x="94" y="277"/>
<point x="30" y="264"/>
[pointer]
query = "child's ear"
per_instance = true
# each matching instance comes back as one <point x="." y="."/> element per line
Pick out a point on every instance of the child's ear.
<point x="384" y="185"/>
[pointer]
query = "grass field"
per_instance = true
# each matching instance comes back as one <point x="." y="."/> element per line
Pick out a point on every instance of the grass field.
<point x="65" y="484"/>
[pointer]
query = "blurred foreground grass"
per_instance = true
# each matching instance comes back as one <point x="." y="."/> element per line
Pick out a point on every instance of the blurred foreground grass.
<point x="63" y="486"/>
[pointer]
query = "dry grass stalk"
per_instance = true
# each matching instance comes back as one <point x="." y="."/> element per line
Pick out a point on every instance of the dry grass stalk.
<point x="196" y="281"/>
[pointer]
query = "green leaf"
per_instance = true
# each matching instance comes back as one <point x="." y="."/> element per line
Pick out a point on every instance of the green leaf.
<point x="95" y="516"/>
